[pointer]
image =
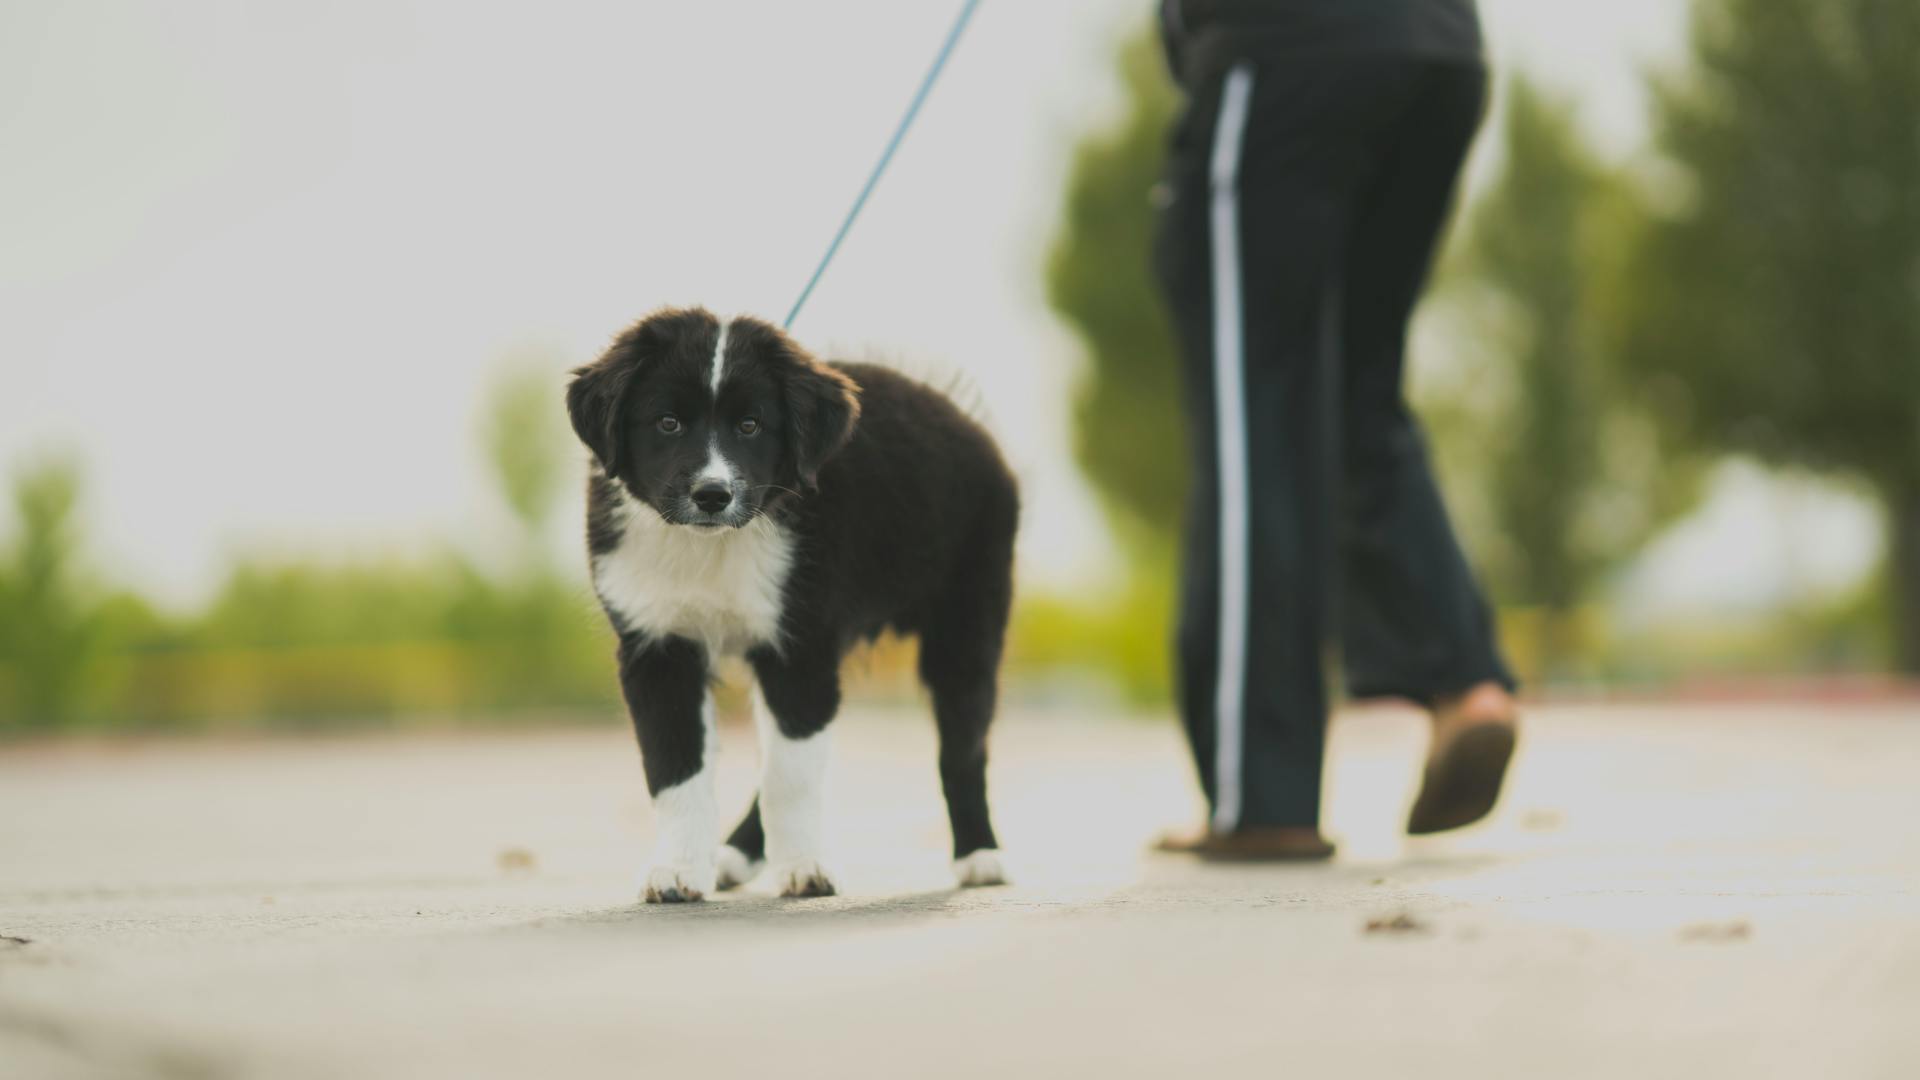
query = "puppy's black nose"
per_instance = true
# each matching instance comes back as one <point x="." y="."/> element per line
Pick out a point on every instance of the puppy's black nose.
<point x="712" y="498"/>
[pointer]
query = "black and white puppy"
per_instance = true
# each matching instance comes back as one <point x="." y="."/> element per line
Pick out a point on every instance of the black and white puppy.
<point x="747" y="499"/>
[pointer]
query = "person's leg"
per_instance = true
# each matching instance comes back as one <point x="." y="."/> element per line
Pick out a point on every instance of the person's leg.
<point x="1249" y="246"/>
<point x="1181" y="265"/>
<point x="1413" y="623"/>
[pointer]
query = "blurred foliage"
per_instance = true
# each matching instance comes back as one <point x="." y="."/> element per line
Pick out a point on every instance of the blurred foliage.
<point x="304" y="643"/>
<point x="1775" y="302"/>
<point x="50" y="620"/>
<point x="308" y="643"/>
<point x="527" y="444"/>
<point x="1538" y="429"/>
<point x="1128" y="434"/>
<point x="1085" y="649"/>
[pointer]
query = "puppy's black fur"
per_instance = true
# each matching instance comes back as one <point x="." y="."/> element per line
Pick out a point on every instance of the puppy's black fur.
<point x="897" y="512"/>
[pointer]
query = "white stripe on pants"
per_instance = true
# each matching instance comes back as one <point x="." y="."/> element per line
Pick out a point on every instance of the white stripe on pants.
<point x="1230" y="423"/>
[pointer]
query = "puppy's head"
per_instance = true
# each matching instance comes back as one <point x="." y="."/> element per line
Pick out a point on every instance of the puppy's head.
<point x="710" y="422"/>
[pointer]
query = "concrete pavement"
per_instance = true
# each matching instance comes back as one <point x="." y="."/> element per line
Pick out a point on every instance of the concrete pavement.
<point x="1664" y="892"/>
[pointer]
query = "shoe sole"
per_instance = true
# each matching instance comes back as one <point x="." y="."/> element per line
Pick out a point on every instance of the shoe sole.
<point x="1462" y="786"/>
<point x="1270" y="856"/>
<point x="1229" y="853"/>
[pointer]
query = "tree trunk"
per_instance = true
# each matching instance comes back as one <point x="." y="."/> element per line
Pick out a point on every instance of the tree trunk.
<point x="1903" y="566"/>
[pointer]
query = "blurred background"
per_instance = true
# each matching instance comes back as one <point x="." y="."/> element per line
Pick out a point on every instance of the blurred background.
<point x="288" y="294"/>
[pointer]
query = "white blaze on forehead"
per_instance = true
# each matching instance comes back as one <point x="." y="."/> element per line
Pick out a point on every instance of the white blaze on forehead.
<point x="720" y="358"/>
<point x="718" y="469"/>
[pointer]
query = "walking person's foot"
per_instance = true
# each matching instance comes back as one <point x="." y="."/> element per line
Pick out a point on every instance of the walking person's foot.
<point x="1473" y="739"/>
<point x="1255" y="843"/>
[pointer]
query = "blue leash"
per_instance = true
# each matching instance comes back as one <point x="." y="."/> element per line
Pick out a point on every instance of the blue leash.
<point x="899" y="133"/>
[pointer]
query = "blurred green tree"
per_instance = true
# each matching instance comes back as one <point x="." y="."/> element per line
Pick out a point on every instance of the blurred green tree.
<point x="1774" y="308"/>
<point x="50" y="630"/>
<point x="1126" y="438"/>
<point x="1538" y="429"/>
<point x="526" y="445"/>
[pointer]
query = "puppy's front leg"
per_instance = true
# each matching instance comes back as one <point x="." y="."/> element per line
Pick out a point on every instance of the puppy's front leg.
<point x="665" y="683"/>
<point x="795" y="700"/>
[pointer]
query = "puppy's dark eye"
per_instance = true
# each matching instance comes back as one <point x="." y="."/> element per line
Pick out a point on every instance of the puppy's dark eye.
<point x="749" y="426"/>
<point x="669" y="425"/>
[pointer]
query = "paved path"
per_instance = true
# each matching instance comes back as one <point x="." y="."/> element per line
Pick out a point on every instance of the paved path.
<point x="1685" y="893"/>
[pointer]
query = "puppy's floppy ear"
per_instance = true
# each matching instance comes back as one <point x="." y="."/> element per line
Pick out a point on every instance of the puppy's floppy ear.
<point x="593" y="404"/>
<point x="599" y="390"/>
<point x="823" y="405"/>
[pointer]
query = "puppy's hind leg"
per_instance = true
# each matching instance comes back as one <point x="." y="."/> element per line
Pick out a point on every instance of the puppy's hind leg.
<point x="963" y="708"/>
<point x="960" y="665"/>
<point x="792" y="707"/>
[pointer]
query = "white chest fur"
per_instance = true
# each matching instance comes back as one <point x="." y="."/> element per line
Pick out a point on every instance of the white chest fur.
<point x="722" y="588"/>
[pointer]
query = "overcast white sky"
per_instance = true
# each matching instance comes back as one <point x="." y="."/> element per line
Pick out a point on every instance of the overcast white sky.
<point x="257" y="261"/>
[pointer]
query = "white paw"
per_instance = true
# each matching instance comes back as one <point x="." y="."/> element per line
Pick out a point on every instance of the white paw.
<point x="732" y="868"/>
<point x="802" y="877"/>
<point x="676" y="883"/>
<point x="981" y="867"/>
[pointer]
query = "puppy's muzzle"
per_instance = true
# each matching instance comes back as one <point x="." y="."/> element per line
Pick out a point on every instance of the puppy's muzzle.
<point x="712" y="498"/>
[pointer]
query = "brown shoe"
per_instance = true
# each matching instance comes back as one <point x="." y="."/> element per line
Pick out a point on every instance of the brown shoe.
<point x="1258" y="843"/>
<point x="1473" y="740"/>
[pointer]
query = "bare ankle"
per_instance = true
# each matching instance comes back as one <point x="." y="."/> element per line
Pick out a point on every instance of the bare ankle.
<point x="1486" y="702"/>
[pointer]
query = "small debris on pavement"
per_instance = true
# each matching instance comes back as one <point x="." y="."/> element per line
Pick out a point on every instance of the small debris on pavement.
<point x="15" y="942"/>
<point x="1542" y="820"/>
<point x="1398" y="923"/>
<point x="516" y="861"/>
<point x="1737" y="930"/>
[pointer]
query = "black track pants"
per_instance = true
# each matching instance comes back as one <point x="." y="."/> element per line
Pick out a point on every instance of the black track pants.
<point x="1302" y="205"/>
